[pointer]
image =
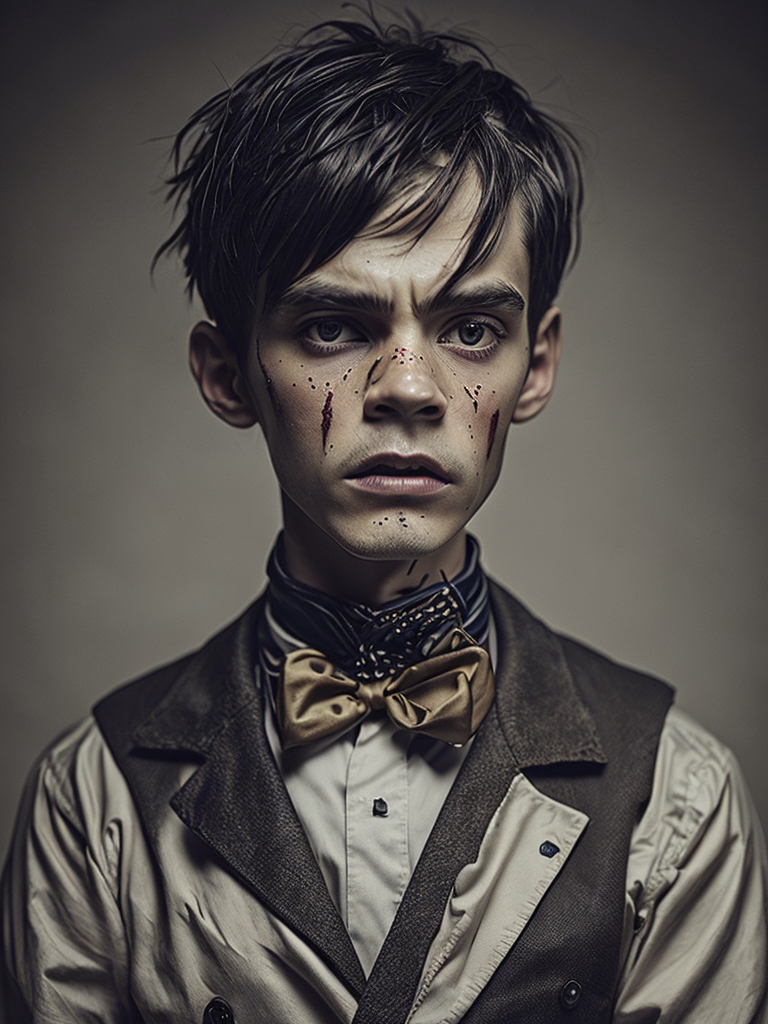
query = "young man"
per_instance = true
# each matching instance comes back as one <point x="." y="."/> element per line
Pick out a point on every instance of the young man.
<point x="386" y="793"/>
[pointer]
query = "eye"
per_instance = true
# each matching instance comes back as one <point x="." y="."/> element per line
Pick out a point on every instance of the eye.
<point x="472" y="334"/>
<point x="329" y="331"/>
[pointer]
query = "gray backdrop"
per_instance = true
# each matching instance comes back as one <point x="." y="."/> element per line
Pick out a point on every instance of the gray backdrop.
<point x="631" y="514"/>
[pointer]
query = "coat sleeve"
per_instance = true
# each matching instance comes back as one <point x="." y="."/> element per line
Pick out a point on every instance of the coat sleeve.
<point x="64" y="947"/>
<point x="696" y="935"/>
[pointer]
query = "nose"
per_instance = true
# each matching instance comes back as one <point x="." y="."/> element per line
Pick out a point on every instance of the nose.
<point x="401" y="384"/>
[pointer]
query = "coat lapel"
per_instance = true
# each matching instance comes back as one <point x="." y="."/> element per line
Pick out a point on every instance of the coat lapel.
<point x="236" y="801"/>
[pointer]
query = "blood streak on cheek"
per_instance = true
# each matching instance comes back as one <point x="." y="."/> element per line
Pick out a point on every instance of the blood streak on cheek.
<point x="492" y="426"/>
<point x="327" y="417"/>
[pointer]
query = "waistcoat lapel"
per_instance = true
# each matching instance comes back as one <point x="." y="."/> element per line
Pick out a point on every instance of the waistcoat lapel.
<point x="210" y="711"/>
<point x="569" y="952"/>
<point x="538" y="717"/>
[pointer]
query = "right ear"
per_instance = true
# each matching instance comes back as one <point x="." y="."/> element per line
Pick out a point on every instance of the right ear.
<point x="215" y="368"/>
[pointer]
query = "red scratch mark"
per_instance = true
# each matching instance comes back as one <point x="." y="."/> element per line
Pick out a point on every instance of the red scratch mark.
<point x="492" y="433"/>
<point x="327" y="417"/>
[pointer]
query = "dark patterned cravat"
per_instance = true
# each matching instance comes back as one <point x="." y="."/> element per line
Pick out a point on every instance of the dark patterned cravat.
<point x="371" y="644"/>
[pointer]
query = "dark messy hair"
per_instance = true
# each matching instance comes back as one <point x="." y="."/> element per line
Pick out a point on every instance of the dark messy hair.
<point x="279" y="172"/>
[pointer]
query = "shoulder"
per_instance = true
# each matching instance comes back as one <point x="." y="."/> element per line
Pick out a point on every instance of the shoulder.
<point x="685" y="742"/>
<point x="79" y="780"/>
<point x="700" y="810"/>
<point x="697" y="777"/>
<point x="72" y="778"/>
<point x="73" y="810"/>
<point x="175" y="705"/>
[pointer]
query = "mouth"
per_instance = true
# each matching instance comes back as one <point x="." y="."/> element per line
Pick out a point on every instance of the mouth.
<point x="398" y="474"/>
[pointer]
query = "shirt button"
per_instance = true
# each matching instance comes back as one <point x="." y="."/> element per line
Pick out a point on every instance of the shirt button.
<point x="570" y="994"/>
<point x="218" y="1011"/>
<point x="380" y="809"/>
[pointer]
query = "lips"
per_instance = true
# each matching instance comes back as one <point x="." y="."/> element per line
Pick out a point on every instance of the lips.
<point x="392" y="474"/>
<point x="394" y="465"/>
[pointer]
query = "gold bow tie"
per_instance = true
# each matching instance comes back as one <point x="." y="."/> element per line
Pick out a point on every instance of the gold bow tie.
<point x="446" y="696"/>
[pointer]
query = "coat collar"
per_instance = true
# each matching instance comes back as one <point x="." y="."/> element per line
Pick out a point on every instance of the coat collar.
<point x="237" y="803"/>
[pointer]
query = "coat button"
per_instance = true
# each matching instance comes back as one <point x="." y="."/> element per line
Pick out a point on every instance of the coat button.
<point x="570" y="994"/>
<point x="218" y="1011"/>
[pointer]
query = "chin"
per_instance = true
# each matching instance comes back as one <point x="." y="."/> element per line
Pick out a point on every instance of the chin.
<point x="397" y="540"/>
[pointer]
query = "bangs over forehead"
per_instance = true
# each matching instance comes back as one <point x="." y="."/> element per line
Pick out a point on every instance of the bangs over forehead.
<point x="277" y="174"/>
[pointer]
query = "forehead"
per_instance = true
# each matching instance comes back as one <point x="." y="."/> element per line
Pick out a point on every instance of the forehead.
<point x="392" y="261"/>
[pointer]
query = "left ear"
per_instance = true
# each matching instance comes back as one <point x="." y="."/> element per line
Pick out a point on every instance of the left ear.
<point x="215" y="368"/>
<point x="543" y="369"/>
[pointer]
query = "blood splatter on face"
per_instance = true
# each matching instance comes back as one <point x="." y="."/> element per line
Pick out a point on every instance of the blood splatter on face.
<point x="492" y="426"/>
<point x="402" y="355"/>
<point x="327" y="418"/>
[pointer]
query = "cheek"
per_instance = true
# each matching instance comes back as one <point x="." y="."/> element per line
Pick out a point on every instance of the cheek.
<point x="303" y="403"/>
<point x="304" y="422"/>
<point x="484" y="403"/>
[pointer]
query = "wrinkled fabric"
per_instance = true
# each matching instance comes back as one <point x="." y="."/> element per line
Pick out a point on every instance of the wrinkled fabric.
<point x="695" y="934"/>
<point x="95" y="929"/>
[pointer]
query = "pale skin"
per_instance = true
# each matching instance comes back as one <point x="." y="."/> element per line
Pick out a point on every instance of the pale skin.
<point x="385" y="400"/>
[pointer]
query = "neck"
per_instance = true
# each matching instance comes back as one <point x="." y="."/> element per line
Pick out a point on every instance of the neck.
<point x="314" y="558"/>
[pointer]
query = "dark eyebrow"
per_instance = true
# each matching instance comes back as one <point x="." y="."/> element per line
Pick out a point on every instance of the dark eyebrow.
<point x="499" y="295"/>
<point x="331" y="296"/>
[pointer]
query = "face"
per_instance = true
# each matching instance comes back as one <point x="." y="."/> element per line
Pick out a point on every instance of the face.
<point x="385" y="396"/>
